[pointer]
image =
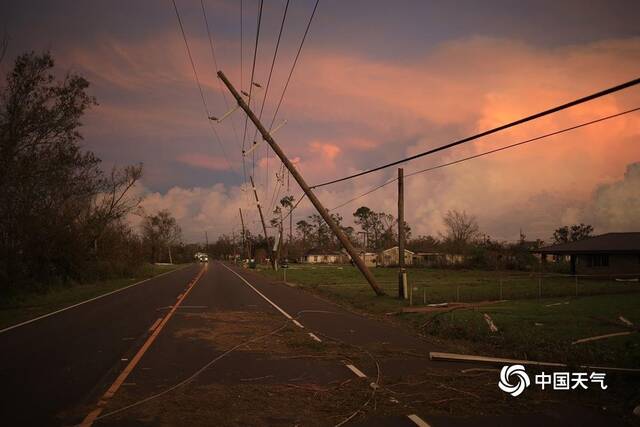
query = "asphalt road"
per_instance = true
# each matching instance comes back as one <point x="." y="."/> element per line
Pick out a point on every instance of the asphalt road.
<point x="55" y="363"/>
<point x="259" y="353"/>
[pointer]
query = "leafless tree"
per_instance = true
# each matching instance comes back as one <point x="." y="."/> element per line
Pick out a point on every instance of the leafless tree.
<point x="460" y="227"/>
<point x="161" y="231"/>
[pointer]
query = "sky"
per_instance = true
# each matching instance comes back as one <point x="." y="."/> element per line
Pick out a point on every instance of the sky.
<point x="376" y="81"/>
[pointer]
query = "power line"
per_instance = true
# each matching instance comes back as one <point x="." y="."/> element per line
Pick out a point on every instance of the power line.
<point x="253" y="68"/>
<point x="266" y="91"/>
<point x="295" y="61"/>
<point x="195" y="74"/>
<point x="215" y="64"/>
<point x="506" y="147"/>
<point x="488" y="132"/>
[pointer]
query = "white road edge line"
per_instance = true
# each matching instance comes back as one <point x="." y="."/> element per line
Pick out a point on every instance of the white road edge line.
<point x="356" y="371"/>
<point x="418" y="421"/>
<point x="284" y="313"/>
<point x="298" y="324"/>
<point x="89" y="300"/>
<point x="314" y="336"/>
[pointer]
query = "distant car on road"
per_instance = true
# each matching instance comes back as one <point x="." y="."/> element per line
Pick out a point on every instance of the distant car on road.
<point x="201" y="257"/>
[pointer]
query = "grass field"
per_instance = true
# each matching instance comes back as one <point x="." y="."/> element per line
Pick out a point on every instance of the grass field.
<point x="529" y="326"/>
<point x="22" y="307"/>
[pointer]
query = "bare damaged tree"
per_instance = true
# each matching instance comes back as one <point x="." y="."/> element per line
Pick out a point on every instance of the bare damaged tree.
<point x="114" y="202"/>
<point x="461" y="228"/>
<point x="161" y="231"/>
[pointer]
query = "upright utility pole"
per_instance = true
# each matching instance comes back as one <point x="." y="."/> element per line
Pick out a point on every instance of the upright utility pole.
<point x="243" y="235"/>
<point x="290" y="225"/>
<point x="302" y="183"/>
<point x="206" y="240"/>
<point x="233" y="244"/>
<point x="264" y="226"/>
<point x="402" y="274"/>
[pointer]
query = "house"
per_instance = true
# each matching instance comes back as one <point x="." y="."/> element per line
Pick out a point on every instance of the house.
<point x="610" y="253"/>
<point x="437" y="259"/>
<point x="370" y="259"/>
<point x="390" y="257"/>
<point x="319" y="256"/>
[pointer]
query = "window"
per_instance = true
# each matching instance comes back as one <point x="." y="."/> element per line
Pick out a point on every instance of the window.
<point x="598" y="260"/>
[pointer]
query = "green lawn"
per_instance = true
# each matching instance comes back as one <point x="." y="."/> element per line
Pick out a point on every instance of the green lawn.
<point x="527" y="326"/>
<point x="442" y="285"/>
<point x="27" y="306"/>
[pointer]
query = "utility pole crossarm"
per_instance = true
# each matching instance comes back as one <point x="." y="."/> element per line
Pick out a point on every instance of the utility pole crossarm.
<point x="305" y="187"/>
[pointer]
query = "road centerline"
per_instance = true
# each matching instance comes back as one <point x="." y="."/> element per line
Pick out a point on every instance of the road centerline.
<point x="93" y="415"/>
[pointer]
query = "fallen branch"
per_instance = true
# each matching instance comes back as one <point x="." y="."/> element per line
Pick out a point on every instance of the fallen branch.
<point x="626" y="321"/>
<point x="453" y="357"/>
<point x="256" y="378"/>
<point x="468" y="393"/>
<point x="489" y="320"/>
<point x="601" y="337"/>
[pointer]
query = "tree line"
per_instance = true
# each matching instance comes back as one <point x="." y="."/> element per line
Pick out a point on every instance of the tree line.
<point x="378" y="231"/>
<point x="64" y="218"/>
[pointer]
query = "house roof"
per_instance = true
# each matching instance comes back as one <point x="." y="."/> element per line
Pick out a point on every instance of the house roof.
<point x="605" y="243"/>
<point x="322" y="252"/>
<point x="395" y="248"/>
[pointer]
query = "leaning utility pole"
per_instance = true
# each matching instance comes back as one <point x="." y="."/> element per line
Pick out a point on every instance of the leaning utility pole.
<point x="264" y="226"/>
<point x="312" y="197"/>
<point x="402" y="274"/>
<point x="243" y="236"/>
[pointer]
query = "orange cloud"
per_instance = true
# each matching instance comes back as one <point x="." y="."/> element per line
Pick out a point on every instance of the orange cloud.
<point x="328" y="151"/>
<point x="347" y="113"/>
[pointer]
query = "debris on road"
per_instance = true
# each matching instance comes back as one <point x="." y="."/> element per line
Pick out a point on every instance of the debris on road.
<point x="489" y="320"/>
<point x="625" y="321"/>
<point x="448" y="306"/>
<point x="557" y="303"/>
<point x="601" y="337"/>
<point x="454" y="357"/>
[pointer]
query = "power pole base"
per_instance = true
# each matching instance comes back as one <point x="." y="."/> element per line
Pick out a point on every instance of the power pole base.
<point x="403" y="289"/>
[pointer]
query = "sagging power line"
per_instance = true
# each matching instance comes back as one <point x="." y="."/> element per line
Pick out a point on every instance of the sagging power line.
<point x="506" y="147"/>
<point x="201" y="91"/>
<point x="490" y="131"/>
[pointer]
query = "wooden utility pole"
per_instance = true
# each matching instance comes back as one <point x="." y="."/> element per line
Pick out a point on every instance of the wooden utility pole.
<point x="290" y="225"/>
<point x="264" y="226"/>
<point x="243" y="235"/>
<point x="302" y="183"/>
<point x="233" y="244"/>
<point x="402" y="274"/>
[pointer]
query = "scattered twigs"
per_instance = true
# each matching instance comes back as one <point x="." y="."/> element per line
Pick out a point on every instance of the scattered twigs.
<point x="468" y="393"/>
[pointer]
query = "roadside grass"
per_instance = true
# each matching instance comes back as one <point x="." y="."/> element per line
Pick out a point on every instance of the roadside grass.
<point x="448" y="285"/>
<point x="528" y="326"/>
<point x="22" y="307"/>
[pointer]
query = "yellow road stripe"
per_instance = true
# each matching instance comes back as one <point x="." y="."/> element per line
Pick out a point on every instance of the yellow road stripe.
<point x="93" y="415"/>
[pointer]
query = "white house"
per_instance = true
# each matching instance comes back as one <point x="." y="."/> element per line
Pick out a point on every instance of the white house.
<point x="324" y="257"/>
<point x="390" y="257"/>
